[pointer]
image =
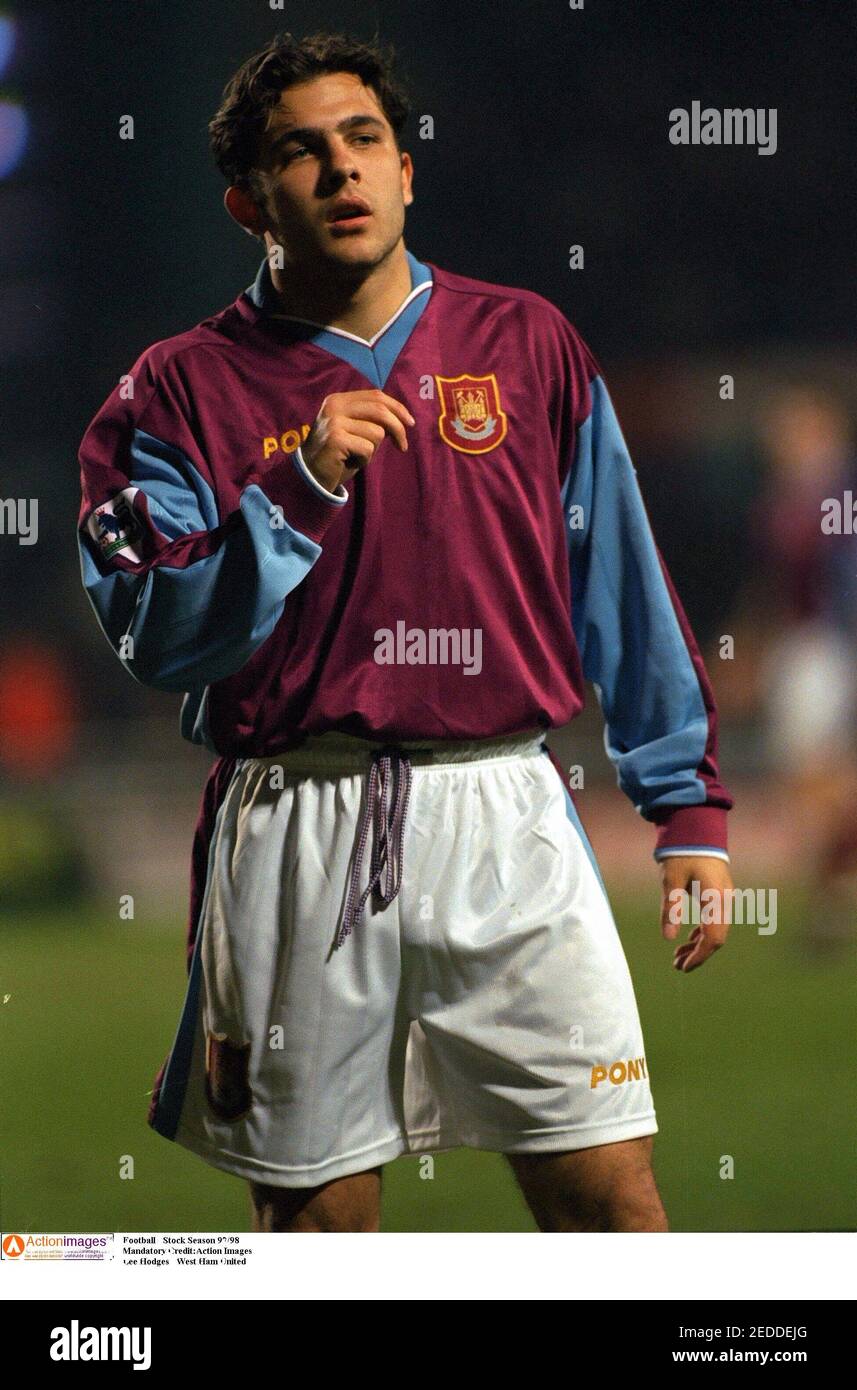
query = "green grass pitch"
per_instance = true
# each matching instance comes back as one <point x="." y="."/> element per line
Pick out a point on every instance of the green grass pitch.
<point x="750" y="1057"/>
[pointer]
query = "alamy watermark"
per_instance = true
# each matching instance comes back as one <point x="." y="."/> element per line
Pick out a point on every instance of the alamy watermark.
<point x="19" y="516"/>
<point x="713" y="906"/>
<point x="839" y="515"/>
<point x="731" y="126"/>
<point x="434" y="646"/>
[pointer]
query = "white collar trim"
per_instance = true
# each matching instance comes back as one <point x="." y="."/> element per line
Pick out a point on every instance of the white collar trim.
<point x="354" y="338"/>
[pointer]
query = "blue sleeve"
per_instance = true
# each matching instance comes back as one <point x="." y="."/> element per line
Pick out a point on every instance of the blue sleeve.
<point x="184" y="596"/>
<point x="636" y="645"/>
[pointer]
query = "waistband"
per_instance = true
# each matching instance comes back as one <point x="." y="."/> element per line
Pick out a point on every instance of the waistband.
<point x="390" y="767"/>
<point x="338" y="752"/>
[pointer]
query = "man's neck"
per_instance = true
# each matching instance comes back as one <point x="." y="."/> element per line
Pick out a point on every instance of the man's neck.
<point x="360" y="306"/>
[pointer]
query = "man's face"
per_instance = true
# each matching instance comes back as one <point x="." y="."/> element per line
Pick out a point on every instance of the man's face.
<point x="328" y="140"/>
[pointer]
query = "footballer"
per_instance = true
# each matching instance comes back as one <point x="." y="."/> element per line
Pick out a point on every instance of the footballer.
<point x="377" y="522"/>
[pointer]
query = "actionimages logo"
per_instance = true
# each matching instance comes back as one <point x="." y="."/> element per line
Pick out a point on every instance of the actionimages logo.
<point x="76" y="1343"/>
<point x="45" y="1246"/>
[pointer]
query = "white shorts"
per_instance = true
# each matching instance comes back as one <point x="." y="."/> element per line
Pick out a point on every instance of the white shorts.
<point x="488" y="1004"/>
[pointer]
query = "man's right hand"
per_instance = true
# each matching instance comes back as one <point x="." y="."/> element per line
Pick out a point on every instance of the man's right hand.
<point x="348" y="429"/>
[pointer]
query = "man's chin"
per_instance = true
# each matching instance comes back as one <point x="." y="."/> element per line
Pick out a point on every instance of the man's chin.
<point x="359" y="251"/>
<point x="349" y="243"/>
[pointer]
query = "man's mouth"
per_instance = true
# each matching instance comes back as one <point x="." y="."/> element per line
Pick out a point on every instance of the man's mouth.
<point x="349" y="212"/>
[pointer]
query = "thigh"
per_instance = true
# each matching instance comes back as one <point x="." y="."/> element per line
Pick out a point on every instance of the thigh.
<point x="610" y="1187"/>
<point x="351" y="1203"/>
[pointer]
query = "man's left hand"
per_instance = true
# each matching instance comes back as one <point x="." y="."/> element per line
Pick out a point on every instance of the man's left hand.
<point x="680" y="872"/>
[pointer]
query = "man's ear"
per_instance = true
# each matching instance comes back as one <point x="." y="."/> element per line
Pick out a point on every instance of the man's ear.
<point x="407" y="170"/>
<point x="243" y="210"/>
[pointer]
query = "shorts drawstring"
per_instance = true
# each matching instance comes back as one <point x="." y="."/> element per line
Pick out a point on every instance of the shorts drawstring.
<point x="390" y="778"/>
<point x="388" y="833"/>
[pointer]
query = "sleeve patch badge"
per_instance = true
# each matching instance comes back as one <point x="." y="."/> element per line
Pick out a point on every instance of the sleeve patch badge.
<point x="470" y="416"/>
<point x="116" y="527"/>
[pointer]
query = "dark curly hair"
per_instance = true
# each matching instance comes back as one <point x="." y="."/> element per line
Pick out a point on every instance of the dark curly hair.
<point x="249" y="97"/>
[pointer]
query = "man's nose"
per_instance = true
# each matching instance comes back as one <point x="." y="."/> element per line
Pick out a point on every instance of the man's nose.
<point x="340" y="160"/>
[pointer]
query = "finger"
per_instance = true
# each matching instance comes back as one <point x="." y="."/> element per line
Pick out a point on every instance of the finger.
<point x="355" y="448"/>
<point x="693" y="954"/>
<point x="382" y="415"/>
<point x="671" y="908"/>
<point x="687" y="948"/>
<point x="669" y="929"/>
<point x="366" y="429"/>
<point x="381" y="397"/>
<point x="691" y="962"/>
<point x="687" y="960"/>
<point x="707" y="939"/>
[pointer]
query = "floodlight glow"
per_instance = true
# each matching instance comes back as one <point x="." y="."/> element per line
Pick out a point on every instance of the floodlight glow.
<point x="13" y="136"/>
<point x="7" y="41"/>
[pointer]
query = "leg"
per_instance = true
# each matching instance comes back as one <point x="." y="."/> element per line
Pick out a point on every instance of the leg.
<point x="610" y="1187"/>
<point x="352" y="1203"/>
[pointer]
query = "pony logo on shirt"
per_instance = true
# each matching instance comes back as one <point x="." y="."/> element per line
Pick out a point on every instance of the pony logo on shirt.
<point x="470" y="419"/>
<point x="116" y="527"/>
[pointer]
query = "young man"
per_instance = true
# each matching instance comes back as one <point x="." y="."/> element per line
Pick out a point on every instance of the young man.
<point x="378" y="522"/>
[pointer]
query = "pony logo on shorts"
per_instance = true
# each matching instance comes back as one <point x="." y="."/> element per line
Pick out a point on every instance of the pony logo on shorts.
<point x="470" y="419"/>
<point x="227" y="1089"/>
<point x="632" y="1070"/>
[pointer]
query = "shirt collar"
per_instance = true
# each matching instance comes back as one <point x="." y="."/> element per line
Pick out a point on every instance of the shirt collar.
<point x="263" y="294"/>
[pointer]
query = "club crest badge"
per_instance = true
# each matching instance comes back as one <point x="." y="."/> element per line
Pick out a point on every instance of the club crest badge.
<point x="470" y="419"/>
